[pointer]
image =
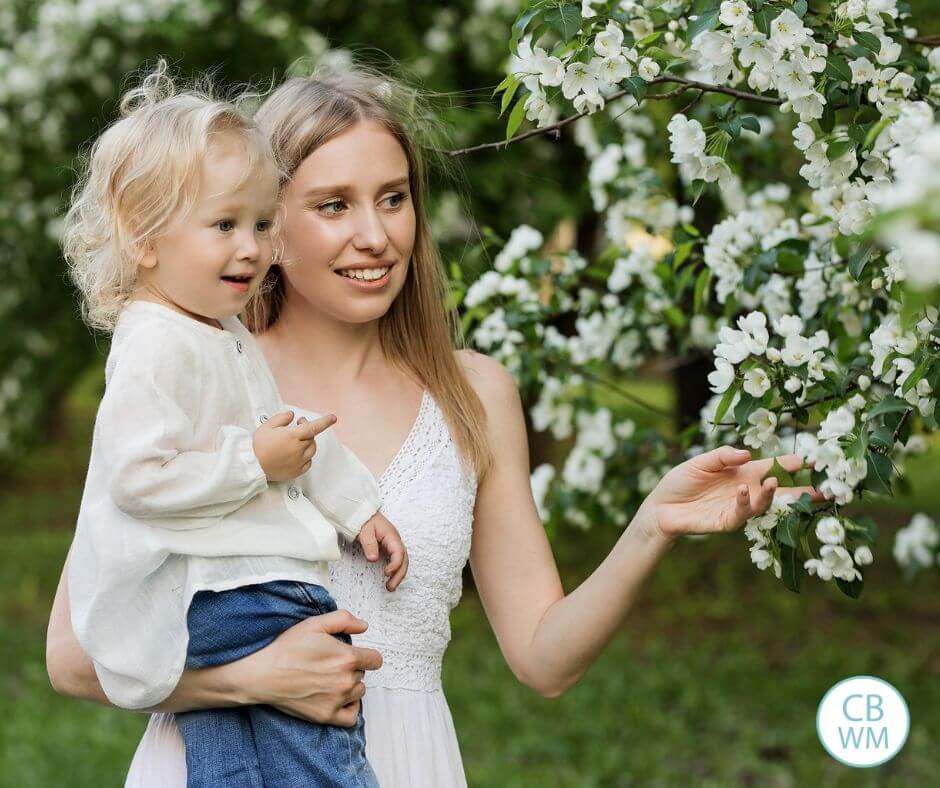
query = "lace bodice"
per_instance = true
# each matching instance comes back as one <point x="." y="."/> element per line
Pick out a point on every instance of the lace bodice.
<point x="429" y="495"/>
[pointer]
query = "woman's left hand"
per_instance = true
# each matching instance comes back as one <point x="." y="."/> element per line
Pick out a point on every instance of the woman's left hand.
<point x="717" y="491"/>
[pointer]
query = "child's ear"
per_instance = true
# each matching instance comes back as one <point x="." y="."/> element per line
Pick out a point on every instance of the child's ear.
<point x="147" y="255"/>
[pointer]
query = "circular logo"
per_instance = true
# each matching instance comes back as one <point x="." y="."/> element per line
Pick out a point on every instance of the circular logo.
<point x="863" y="721"/>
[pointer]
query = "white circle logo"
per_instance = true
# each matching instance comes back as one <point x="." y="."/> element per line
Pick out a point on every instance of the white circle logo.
<point x="863" y="721"/>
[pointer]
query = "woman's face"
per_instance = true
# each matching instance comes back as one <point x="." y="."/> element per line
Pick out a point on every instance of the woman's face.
<point x="349" y="227"/>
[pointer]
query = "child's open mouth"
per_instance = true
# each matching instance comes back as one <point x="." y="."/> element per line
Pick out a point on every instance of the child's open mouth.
<point x="240" y="283"/>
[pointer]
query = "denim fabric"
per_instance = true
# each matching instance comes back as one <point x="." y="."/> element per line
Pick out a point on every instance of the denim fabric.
<point x="259" y="746"/>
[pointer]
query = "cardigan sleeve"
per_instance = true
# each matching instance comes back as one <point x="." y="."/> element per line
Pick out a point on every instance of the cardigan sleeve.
<point x="145" y="430"/>
<point x="340" y="486"/>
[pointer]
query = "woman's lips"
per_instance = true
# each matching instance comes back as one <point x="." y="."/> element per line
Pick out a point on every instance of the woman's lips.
<point x="368" y="284"/>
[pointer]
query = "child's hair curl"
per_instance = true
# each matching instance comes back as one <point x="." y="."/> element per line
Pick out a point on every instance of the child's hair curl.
<point x="141" y="173"/>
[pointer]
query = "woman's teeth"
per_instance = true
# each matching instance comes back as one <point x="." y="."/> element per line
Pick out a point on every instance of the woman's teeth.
<point x="368" y="274"/>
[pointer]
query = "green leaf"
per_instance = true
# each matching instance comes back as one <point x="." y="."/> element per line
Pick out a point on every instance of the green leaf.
<point x="788" y="530"/>
<point x="701" y="289"/>
<point x="515" y="119"/>
<point x="837" y="67"/>
<point x="697" y="188"/>
<point x="792" y="569"/>
<point x="875" y="131"/>
<point x="781" y="474"/>
<point x="705" y="21"/>
<point x="510" y="91"/>
<point x="879" y="473"/>
<point x="725" y="402"/>
<point x="889" y="404"/>
<point x="636" y="86"/>
<point x="799" y="8"/>
<point x="828" y="120"/>
<point x="858" y="261"/>
<point x="917" y="374"/>
<point x="566" y="20"/>
<point x="761" y="22"/>
<point x="857" y="448"/>
<point x="867" y="40"/>
<point x="882" y="438"/>
<point x="675" y="317"/>
<point x="853" y="589"/>
<point x="751" y="123"/>
<point x="682" y="253"/>
<point x="745" y="407"/>
<point x="867" y="530"/>
<point x="647" y="40"/>
<point x="519" y="27"/>
<point x="803" y="504"/>
<point x="838" y="148"/>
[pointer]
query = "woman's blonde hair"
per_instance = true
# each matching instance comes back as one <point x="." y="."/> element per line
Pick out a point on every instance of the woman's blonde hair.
<point x="418" y="332"/>
<point x="139" y="174"/>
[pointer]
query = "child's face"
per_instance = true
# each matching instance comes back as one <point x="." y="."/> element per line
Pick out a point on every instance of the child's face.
<point x="226" y="233"/>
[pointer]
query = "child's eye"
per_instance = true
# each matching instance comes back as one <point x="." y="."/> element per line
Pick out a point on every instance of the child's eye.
<point x="263" y="226"/>
<point x="225" y="225"/>
<point x="333" y="207"/>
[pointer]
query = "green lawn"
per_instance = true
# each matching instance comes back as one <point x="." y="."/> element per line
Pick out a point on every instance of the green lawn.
<point x="713" y="682"/>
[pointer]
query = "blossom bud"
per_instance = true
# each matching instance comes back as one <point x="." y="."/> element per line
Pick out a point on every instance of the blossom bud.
<point x="793" y="384"/>
<point x="773" y="354"/>
<point x="864" y="382"/>
<point x="877" y="283"/>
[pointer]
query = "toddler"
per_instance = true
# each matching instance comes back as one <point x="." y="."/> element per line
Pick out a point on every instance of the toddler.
<point x="208" y="515"/>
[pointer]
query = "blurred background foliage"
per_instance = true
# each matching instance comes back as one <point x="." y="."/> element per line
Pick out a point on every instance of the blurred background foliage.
<point x="714" y="680"/>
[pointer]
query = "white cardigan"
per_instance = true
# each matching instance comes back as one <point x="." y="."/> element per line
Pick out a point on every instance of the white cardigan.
<point x="175" y="501"/>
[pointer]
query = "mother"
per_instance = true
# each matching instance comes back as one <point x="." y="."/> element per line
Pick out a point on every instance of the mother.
<point x="353" y="324"/>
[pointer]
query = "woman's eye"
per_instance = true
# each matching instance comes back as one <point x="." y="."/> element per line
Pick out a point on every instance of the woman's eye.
<point x="395" y="200"/>
<point x="333" y="207"/>
<point x="226" y="225"/>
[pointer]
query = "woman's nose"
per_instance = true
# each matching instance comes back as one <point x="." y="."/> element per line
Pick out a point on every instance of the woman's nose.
<point x="369" y="234"/>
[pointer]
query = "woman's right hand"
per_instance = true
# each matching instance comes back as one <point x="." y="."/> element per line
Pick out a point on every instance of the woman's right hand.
<point x="308" y="673"/>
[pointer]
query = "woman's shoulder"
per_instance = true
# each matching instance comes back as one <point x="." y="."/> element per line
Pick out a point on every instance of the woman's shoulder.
<point x="492" y="382"/>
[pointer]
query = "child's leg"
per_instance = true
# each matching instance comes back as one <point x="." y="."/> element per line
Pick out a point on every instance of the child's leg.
<point x="220" y="743"/>
<point x="295" y="752"/>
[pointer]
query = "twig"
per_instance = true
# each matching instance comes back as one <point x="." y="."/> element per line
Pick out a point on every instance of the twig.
<point x="685" y="84"/>
<point x="927" y="41"/>
<point x="624" y="393"/>
<point x="904" y="418"/>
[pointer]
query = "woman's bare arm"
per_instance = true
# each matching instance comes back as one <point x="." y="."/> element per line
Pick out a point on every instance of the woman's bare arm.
<point x="550" y="639"/>
<point x="305" y="671"/>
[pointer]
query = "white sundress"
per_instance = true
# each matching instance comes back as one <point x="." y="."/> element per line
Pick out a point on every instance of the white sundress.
<point x="410" y="739"/>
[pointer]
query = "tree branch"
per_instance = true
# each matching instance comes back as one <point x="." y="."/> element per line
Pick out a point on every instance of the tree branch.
<point x="684" y="85"/>
<point x="927" y="41"/>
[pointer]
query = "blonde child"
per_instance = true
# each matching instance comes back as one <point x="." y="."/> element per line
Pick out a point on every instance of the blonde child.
<point x="208" y="515"/>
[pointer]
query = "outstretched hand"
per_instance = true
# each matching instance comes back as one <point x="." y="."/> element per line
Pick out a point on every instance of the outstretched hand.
<point x="717" y="491"/>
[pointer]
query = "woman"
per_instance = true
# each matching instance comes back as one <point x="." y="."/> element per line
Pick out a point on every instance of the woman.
<point x="353" y="324"/>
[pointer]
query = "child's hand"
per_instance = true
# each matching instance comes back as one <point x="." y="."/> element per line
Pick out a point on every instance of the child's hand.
<point x="380" y="532"/>
<point x="285" y="451"/>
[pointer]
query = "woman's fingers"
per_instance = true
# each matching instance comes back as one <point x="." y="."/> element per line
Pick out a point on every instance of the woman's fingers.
<point x="722" y="457"/>
<point x="764" y="496"/>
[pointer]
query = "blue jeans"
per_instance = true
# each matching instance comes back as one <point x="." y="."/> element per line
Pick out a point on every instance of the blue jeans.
<point x="259" y="746"/>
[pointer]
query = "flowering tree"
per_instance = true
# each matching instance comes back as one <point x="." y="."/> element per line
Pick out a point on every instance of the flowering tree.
<point x="822" y="322"/>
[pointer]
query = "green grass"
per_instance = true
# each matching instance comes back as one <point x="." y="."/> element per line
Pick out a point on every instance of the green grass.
<point x="714" y="680"/>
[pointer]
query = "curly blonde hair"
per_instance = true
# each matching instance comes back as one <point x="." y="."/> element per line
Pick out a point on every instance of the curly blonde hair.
<point x="139" y="174"/>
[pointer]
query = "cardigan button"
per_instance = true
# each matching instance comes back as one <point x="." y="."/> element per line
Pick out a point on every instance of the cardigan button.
<point x="263" y="418"/>
<point x="238" y="345"/>
<point x="293" y="493"/>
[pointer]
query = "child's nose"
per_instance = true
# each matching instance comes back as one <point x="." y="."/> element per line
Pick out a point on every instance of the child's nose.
<point x="248" y="247"/>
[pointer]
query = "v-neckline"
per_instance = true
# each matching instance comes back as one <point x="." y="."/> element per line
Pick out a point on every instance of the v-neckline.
<point x="409" y="438"/>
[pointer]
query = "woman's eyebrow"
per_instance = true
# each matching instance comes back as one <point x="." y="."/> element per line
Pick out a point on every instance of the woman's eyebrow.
<point x="342" y="188"/>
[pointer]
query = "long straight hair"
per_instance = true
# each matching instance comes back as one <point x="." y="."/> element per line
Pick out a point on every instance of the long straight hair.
<point x="418" y="332"/>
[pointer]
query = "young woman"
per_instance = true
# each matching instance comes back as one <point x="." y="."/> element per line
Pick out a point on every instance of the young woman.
<point x="353" y="324"/>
